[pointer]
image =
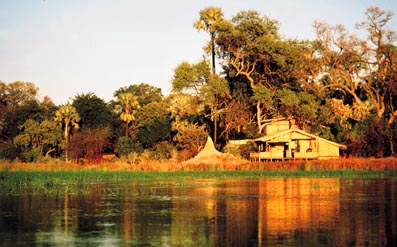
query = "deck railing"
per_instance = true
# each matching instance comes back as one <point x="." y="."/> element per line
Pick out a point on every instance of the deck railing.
<point x="280" y="155"/>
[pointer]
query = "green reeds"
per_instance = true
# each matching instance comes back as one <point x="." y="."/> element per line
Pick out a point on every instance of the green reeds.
<point x="47" y="179"/>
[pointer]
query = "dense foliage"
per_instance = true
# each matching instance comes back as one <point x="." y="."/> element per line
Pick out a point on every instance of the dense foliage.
<point x="338" y="86"/>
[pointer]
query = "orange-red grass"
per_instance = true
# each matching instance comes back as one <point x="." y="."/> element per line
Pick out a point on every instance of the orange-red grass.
<point x="361" y="164"/>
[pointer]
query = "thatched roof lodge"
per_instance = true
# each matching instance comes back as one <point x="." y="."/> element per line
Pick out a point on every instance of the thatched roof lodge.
<point x="283" y="140"/>
<point x="295" y="144"/>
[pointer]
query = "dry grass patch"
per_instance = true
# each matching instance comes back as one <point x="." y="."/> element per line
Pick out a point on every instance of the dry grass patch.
<point x="217" y="163"/>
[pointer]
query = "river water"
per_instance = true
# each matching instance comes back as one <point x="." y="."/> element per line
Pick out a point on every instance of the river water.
<point x="207" y="212"/>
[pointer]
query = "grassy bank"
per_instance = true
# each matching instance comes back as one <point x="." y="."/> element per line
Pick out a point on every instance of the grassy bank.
<point x="27" y="177"/>
<point x="357" y="164"/>
<point x="45" y="178"/>
<point x="77" y="181"/>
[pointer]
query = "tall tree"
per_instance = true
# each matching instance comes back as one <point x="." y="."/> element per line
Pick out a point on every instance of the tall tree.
<point x="361" y="72"/>
<point x="357" y="67"/>
<point x="207" y="22"/>
<point x="210" y="91"/>
<point x="145" y="93"/>
<point x="93" y="111"/>
<point x="190" y="78"/>
<point x="154" y="124"/>
<point x="18" y="92"/>
<point x="382" y="47"/>
<point x="216" y="94"/>
<point x="18" y="102"/>
<point x="391" y="78"/>
<point x="69" y="118"/>
<point x="39" y="138"/>
<point x="127" y="104"/>
<point x="254" y="52"/>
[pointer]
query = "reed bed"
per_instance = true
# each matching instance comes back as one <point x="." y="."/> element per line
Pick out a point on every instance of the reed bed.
<point x="357" y="164"/>
<point x="61" y="178"/>
<point x="73" y="177"/>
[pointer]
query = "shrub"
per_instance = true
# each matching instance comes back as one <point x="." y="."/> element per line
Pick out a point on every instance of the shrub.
<point x="31" y="155"/>
<point x="127" y="145"/>
<point x="8" y="151"/>
<point x="246" y="149"/>
<point x="232" y="149"/>
<point x="185" y="154"/>
<point x="162" y="151"/>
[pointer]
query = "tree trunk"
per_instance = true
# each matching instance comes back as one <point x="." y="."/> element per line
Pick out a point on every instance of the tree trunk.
<point x="213" y="54"/>
<point x="259" y="115"/>
<point x="392" y="153"/>
<point x="215" y="130"/>
<point x="67" y="141"/>
<point x="47" y="154"/>
<point x="126" y="129"/>
<point x="392" y="118"/>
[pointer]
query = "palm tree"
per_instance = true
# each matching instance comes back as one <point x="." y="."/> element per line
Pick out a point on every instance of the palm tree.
<point x="68" y="117"/>
<point x="128" y="104"/>
<point x="208" y="17"/>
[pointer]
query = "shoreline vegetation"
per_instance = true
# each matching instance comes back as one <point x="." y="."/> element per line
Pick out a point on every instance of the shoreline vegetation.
<point x="208" y="165"/>
<point x="60" y="178"/>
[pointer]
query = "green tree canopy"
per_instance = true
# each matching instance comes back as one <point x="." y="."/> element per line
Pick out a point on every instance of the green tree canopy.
<point x="254" y="52"/>
<point x="39" y="138"/>
<point x="144" y="93"/>
<point x="93" y="111"/>
<point x="17" y="93"/>
<point x="19" y="102"/>
<point x="153" y="124"/>
<point x="68" y="117"/>
<point x="189" y="78"/>
<point x="127" y="105"/>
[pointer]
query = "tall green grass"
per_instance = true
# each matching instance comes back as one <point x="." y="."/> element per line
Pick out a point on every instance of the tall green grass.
<point x="31" y="178"/>
<point x="69" y="178"/>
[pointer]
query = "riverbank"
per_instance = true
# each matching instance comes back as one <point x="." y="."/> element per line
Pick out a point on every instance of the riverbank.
<point x="76" y="182"/>
<point x="358" y="164"/>
<point x="60" y="177"/>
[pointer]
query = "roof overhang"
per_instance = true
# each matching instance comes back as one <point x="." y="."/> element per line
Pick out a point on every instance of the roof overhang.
<point x="308" y="135"/>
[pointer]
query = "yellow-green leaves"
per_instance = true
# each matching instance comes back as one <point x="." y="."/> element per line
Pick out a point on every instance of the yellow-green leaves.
<point x="68" y="117"/>
<point x="127" y="103"/>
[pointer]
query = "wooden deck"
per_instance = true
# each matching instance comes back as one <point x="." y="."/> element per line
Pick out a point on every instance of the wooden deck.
<point x="258" y="156"/>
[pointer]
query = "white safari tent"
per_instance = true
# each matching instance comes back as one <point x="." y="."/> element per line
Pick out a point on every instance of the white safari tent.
<point x="295" y="144"/>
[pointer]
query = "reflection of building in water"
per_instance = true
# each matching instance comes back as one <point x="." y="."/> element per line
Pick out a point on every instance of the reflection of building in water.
<point x="287" y="206"/>
<point x="241" y="214"/>
<point x="250" y="212"/>
<point x="267" y="212"/>
<point x="234" y="212"/>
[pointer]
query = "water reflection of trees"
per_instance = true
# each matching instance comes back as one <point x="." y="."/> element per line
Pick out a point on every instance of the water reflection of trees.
<point x="369" y="215"/>
<point x="264" y="212"/>
<point x="308" y="212"/>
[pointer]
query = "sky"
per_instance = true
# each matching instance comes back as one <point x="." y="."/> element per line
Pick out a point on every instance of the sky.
<point x="71" y="47"/>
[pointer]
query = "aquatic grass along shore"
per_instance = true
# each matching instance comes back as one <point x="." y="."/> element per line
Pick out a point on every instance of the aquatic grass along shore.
<point x="79" y="182"/>
<point x="359" y="164"/>
<point x="68" y="178"/>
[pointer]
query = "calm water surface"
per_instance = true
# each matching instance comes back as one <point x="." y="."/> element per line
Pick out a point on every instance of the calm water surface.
<point x="210" y="212"/>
